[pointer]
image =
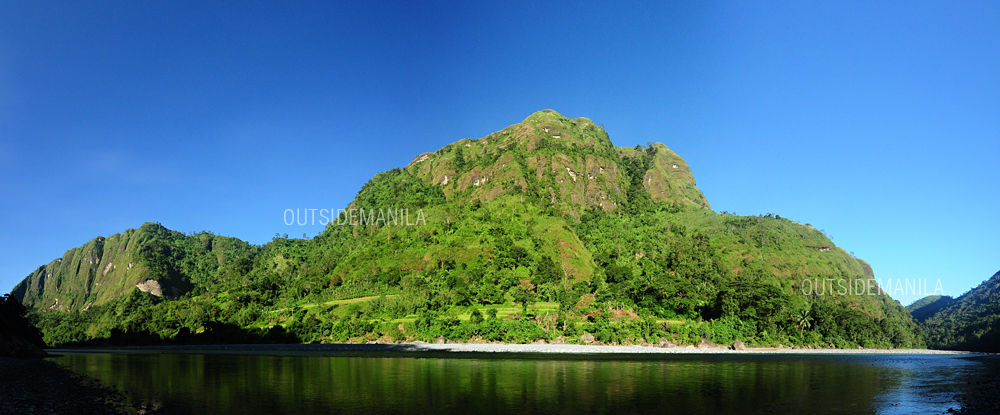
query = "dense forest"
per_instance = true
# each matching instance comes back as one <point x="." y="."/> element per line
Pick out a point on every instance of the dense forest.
<point x="969" y="322"/>
<point x="541" y="231"/>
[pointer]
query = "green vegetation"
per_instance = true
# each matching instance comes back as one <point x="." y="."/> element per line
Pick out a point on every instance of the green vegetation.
<point x="969" y="322"/>
<point x="928" y="306"/>
<point x="542" y="231"/>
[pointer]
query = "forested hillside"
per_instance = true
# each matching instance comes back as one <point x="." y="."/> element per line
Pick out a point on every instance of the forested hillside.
<point x="541" y="231"/>
<point x="969" y="322"/>
<point x="927" y="306"/>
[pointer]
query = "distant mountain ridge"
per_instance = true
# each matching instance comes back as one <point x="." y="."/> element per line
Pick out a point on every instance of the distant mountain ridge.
<point x="927" y="306"/>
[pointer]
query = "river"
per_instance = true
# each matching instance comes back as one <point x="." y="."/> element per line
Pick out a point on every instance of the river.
<point x="530" y="383"/>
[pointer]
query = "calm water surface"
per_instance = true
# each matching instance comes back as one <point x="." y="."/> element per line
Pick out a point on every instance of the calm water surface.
<point x="303" y="384"/>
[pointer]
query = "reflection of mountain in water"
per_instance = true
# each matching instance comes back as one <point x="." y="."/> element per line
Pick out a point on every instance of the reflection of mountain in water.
<point x="682" y="384"/>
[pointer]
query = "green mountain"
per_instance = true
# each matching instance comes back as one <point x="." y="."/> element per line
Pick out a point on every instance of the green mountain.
<point x="152" y="259"/>
<point x="927" y="306"/>
<point x="543" y="230"/>
<point x="969" y="322"/>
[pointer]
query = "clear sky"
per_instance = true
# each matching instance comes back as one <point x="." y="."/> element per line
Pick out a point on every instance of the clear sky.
<point x="876" y="121"/>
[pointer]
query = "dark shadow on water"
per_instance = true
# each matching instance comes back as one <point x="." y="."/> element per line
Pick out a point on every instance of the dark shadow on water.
<point x="214" y="333"/>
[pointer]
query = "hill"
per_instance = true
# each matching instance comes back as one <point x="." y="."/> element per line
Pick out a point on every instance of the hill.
<point x="927" y="306"/>
<point x="152" y="258"/>
<point x="543" y="230"/>
<point x="969" y="322"/>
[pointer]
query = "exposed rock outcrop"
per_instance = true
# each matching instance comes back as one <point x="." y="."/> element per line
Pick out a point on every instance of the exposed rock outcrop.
<point x="705" y="344"/>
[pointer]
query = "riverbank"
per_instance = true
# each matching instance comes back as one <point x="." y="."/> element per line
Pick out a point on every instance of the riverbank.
<point x="484" y="350"/>
<point x="37" y="386"/>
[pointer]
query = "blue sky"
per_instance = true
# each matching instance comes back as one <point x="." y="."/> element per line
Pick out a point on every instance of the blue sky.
<point x="876" y="121"/>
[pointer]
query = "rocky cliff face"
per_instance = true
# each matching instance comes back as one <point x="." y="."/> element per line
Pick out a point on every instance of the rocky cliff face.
<point x="98" y="270"/>
<point x="106" y="268"/>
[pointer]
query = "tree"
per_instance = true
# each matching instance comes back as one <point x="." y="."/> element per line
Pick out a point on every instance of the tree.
<point x="459" y="158"/>
<point x="524" y="293"/>
<point x="804" y="319"/>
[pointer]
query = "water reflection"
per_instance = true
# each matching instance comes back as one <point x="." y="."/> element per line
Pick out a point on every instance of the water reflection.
<point x="190" y="383"/>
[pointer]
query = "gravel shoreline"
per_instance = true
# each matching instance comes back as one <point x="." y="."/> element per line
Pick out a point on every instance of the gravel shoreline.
<point x="486" y="349"/>
<point x="37" y="386"/>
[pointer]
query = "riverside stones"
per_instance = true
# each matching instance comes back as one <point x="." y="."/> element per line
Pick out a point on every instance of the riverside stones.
<point x="666" y="344"/>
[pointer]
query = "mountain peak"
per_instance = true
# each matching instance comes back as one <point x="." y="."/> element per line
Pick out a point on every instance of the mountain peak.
<point x="567" y="163"/>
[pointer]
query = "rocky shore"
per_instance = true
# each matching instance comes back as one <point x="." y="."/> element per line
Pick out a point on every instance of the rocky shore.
<point x="36" y="386"/>
<point x="983" y="396"/>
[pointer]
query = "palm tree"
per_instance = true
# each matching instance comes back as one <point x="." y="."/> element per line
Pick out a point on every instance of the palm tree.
<point x="804" y="318"/>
